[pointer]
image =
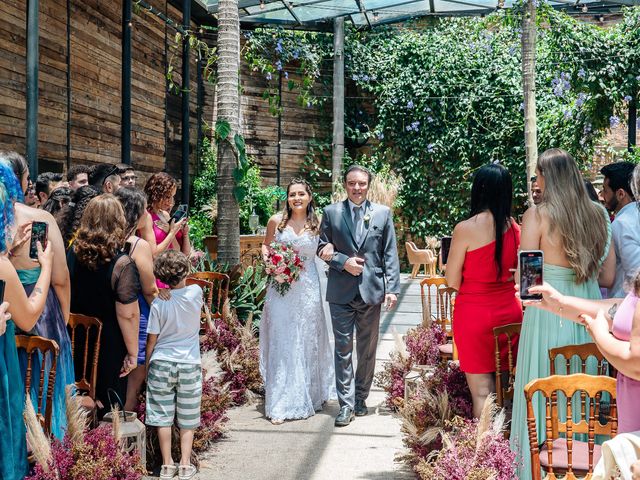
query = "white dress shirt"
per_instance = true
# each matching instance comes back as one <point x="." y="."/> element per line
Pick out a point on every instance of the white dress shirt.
<point x="625" y="234"/>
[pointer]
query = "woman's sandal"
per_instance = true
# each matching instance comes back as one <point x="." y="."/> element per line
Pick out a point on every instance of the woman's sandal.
<point x="186" y="472"/>
<point x="277" y="421"/>
<point x="168" y="471"/>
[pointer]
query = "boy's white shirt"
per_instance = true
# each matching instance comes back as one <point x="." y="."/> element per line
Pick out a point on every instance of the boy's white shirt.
<point x="177" y="323"/>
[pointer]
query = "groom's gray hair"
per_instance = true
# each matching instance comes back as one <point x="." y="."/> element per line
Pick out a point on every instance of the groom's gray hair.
<point x="357" y="168"/>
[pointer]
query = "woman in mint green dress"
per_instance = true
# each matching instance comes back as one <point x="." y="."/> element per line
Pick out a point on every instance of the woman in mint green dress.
<point x="574" y="234"/>
<point x="24" y="313"/>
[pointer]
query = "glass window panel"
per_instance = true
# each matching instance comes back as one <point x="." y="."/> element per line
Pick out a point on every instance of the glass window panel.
<point x="329" y="9"/>
<point x="268" y="7"/>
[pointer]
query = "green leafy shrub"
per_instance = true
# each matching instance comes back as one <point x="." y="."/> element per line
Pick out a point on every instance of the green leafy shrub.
<point x="448" y="99"/>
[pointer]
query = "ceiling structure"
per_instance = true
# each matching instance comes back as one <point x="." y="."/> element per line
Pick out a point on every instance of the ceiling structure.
<point x="319" y="14"/>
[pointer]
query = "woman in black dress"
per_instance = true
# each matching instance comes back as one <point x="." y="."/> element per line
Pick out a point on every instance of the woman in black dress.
<point x="105" y="284"/>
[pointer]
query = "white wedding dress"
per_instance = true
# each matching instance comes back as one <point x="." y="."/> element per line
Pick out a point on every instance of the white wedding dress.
<point x="296" y="358"/>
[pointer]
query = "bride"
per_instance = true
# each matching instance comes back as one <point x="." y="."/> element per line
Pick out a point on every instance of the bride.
<point x="296" y="360"/>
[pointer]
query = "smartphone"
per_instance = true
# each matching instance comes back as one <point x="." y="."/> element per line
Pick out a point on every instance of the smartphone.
<point x="38" y="234"/>
<point x="2" y="285"/>
<point x="531" y="262"/>
<point x="445" y="246"/>
<point x="180" y="212"/>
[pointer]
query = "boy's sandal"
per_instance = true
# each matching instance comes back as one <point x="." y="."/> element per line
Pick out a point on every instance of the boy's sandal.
<point x="168" y="471"/>
<point x="186" y="472"/>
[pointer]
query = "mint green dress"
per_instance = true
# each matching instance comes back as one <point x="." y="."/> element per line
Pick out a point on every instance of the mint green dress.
<point x="542" y="330"/>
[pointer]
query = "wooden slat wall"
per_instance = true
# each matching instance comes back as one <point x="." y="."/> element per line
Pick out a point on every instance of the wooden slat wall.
<point x="148" y="86"/>
<point x="96" y="61"/>
<point x="94" y="125"/>
<point x="12" y="75"/>
<point x="52" y="102"/>
<point x="174" y="103"/>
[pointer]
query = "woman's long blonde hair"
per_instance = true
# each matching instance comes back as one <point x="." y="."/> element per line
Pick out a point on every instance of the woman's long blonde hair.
<point x="581" y="223"/>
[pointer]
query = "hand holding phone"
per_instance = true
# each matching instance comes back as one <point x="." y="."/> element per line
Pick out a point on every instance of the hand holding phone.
<point x="39" y="231"/>
<point x="180" y="212"/>
<point x="530" y="265"/>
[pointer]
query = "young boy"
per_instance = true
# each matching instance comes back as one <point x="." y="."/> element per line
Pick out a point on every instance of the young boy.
<point x="174" y="377"/>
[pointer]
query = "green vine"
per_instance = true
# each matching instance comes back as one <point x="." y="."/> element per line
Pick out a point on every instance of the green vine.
<point x="203" y="51"/>
<point x="448" y="99"/>
<point x="222" y="131"/>
<point x="277" y="53"/>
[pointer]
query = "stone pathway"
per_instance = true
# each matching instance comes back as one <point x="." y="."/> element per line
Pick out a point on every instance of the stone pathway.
<point x="313" y="448"/>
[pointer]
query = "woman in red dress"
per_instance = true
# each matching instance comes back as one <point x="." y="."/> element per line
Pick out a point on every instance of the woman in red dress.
<point x="484" y="250"/>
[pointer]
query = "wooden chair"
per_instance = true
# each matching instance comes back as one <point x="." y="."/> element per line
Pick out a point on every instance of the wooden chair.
<point x="583" y="352"/>
<point x="207" y="293"/>
<point x="563" y="455"/>
<point x="504" y="386"/>
<point x="43" y="347"/>
<point x="217" y="293"/>
<point x="424" y="257"/>
<point x="443" y="300"/>
<point x="86" y="359"/>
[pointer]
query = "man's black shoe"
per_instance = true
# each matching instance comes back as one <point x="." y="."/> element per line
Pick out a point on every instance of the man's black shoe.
<point x="361" y="408"/>
<point x="345" y="417"/>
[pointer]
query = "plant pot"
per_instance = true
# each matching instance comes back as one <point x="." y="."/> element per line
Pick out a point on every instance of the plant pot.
<point x="211" y="246"/>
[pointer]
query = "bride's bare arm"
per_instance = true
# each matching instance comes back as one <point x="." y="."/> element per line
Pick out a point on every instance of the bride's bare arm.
<point x="270" y="236"/>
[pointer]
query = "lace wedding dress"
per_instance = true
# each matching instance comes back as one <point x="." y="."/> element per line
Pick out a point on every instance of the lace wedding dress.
<point x="296" y="358"/>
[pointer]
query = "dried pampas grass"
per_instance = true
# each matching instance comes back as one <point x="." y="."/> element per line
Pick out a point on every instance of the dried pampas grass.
<point x="383" y="189"/>
<point x="36" y="438"/>
<point x="115" y="422"/>
<point x="76" y="416"/>
<point x="401" y="348"/>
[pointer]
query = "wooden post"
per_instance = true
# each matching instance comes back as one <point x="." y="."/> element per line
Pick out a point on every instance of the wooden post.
<point x="529" y="89"/>
<point x="199" y="108"/>
<point x="338" y="101"/>
<point x="186" y="77"/>
<point x="633" y="119"/>
<point x="32" y="87"/>
<point x="279" y="146"/>
<point x="125" y="132"/>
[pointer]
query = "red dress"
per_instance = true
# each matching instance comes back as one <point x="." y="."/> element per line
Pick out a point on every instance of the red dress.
<point x="485" y="302"/>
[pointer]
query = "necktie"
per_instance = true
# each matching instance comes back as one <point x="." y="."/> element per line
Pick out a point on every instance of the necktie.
<point x="358" y="223"/>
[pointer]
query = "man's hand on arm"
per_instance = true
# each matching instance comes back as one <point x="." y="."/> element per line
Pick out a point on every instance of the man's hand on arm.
<point x="354" y="266"/>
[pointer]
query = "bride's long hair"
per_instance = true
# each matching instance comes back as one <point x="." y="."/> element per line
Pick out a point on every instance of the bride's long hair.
<point x="580" y="222"/>
<point x="312" y="224"/>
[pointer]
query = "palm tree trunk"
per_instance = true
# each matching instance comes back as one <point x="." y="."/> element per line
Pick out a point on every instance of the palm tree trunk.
<point x="228" y="110"/>
<point x="529" y="88"/>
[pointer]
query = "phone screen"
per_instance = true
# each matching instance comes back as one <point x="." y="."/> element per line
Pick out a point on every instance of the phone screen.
<point x="445" y="246"/>
<point x="180" y="212"/>
<point x="2" y="285"/>
<point x="38" y="234"/>
<point x="531" y="262"/>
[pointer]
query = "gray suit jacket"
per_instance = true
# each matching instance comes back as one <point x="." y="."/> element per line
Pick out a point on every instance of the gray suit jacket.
<point x="377" y="247"/>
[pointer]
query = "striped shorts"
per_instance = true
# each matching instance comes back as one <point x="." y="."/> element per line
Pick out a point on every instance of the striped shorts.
<point x="173" y="386"/>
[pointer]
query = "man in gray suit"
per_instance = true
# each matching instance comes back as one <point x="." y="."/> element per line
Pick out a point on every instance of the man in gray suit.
<point x="365" y="252"/>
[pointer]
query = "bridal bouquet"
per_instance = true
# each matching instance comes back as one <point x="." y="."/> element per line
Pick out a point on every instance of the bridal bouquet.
<point x="283" y="265"/>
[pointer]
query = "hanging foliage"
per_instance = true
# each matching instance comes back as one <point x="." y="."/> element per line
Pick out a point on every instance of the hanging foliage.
<point x="275" y="53"/>
<point x="448" y="99"/>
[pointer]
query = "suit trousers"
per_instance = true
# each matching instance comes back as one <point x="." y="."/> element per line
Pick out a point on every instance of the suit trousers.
<point x="365" y="319"/>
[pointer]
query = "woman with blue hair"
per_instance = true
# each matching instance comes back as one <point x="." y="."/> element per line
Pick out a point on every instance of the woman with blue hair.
<point x="52" y="323"/>
<point x="24" y="312"/>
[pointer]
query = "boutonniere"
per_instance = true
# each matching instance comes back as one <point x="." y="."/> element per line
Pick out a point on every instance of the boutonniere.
<point x="366" y="219"/>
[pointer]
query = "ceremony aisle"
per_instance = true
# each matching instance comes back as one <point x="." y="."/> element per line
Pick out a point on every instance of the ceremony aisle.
<point x="314" y="449"/>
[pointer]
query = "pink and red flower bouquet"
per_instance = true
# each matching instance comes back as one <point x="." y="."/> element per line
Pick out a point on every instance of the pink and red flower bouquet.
<point x="283" y="265"/>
